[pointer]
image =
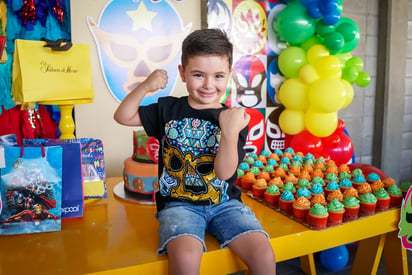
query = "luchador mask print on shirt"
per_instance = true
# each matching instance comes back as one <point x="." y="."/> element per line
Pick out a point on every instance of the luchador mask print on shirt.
<point x="189" y="150"/>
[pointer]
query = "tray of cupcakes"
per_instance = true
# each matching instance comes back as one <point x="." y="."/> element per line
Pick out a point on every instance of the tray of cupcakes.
<point x="316" y="192"/>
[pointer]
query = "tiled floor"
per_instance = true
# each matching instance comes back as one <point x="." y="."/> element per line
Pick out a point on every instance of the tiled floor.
<point x="292" y="267"/>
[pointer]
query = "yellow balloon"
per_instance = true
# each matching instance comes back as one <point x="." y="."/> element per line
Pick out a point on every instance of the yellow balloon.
<point x="329" y="66"/>
<point x="321" y="124"/>
<point x="292" y="122"/>
<point x="308" y="74"/>
<point x="294" y="94"/>
<point x="327" y="95"/>
<point x="349" y="93"/>
<point x="315" y="52"/>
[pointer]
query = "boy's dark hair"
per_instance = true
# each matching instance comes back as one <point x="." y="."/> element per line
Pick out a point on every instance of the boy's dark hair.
<point x="206" y="42"/>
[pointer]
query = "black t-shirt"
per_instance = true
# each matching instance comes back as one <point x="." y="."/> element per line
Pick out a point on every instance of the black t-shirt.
<point x="189" y="141"/>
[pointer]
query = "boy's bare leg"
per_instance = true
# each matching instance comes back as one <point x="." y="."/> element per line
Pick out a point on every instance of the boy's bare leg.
<point x="255" y="250"/>
<point x="185" y="254"/>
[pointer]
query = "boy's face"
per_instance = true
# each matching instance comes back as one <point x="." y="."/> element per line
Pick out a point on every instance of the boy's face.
<point x="206" y="78"/>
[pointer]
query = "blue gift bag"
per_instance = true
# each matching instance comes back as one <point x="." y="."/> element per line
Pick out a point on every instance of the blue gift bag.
<point x="31" y="190"/>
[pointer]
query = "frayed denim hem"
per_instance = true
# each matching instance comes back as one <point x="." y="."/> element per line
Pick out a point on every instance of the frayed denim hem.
<point x="162" y="249"/>
<point x="226" y="244"/>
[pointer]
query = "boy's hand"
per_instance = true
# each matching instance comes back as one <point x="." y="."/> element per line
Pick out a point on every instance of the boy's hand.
<point x="155" y="81"/>
<point x="233" y="120"/>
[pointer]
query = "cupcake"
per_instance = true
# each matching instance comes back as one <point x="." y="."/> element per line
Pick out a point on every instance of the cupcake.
<point x="383" y="200"/>
<point x="319" y="198"/>
<point x="247" y="181"/>
<point x="262" y="159"/>
<point x="351" y="205"/>
<point x="317" y="173"/>
<point x="264" y="175"/>
<point x="318" y="216"/>
<point x="286" y="202"/>
<point x="285" y="160"/>
<point x="336" y="194"/>
<point x="345" y="175"/>
<point x="364" y="188"/>
<point x="388" y="182"/>
<point x="308" y="168"/>
<point x="344" y="168"/>
<point x="376" y="185"/>
<point x="295" y="170"/>
<point x="331" y="186"/>
<point x="274" y="156"/>
<point x="279" y="172"/>
<point x="358" y="181"/>
<point x="272" y="162"/>
<point x="331" y="163"/>
<point x="331" y="177"/>
<point x="332" y="170"/>
<point x="367" y="204"/>
<point x="292" y="178"/>
<point x="255" y="170"/>
<point x="249" y="160"/>
<point x="258" y="164"/>
<point x="240" y="173"/>
<point x="298" y="158"/>
<point x="301" y="208"/>
<point x="405" y="187"/>
<point x="304" y="175"/>
<point x="272" y="195"/>
<point x="320" y="165"/>
<point x="396" y="195"/>
<point x="303" y="192"/>
<point x="345" y="184"/>
<point x="284" y="166"/>
<point x="268" y="169"/>
<point x="372" y="177"/>
<point x="276" y="181"/>
<point x="336" y="210"/>
<point x="350" y="192"/>
<point x="244" y="166"/>
<point x="265" y="153"/>
<point x="316" y="189"/>
<point x="258" y="188"/>
<point x="304" y="183"/>
<point x="318" y="180"/>
<point x="288" y="187"/>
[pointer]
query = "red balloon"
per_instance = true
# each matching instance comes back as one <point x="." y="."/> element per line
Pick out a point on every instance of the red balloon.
<point x="367" y="169"/>
<point x="331" y="141"/>
<point x="342" y="152"/>
<point x="305" y="142"/>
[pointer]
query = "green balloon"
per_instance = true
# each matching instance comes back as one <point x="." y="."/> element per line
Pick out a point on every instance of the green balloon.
<point x="351" y="33"/>
<point x="291" y="61"/>
<point x="349" y="74"/>
<point x="363" y="79"/>
<point x="322" y="28"/>
<point x="334" y="41"/>
<point x="355" y="62"/>
<point x="314" y="40"/>
<point x="293" y="24"/>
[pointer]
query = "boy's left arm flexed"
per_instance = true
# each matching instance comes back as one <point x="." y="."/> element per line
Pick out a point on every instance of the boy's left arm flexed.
<point x="231" y="121"/>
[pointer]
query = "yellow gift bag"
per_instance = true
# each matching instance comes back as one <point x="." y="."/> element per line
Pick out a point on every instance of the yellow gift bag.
<point x="51" y="71"/>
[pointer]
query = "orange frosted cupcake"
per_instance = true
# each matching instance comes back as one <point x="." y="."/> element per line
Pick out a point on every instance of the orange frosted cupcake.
<point x="247" y="181"/>
<point x="264" y="175"/>
<point x="344" y="168"/>
<point x="258" y="188"/>
<point x="295" y="170"/>
<point x="274" y="156"/>
<point x="350" y="192"/>
<point x="272" y="195"/>
<point x="320" y="165"/>
<point x="318" y="216"/>
<point x="291" y="178"/>
<point x="317" y="173"/>
<point x="276" y="181"/>
<point x="304" y="175"/>
<point x="331" y="163"/>
<point x="319" y="198"/>
<point x="332" y="169"/>
<point x="388" y="182"/>
<point x="301" y="208"/>
<point x="376" y="185"/>
<point x="279" y="172"/>
<point x="364" y="188"/>
<point x="308" y="168"/>
<point x="335" y="194"/>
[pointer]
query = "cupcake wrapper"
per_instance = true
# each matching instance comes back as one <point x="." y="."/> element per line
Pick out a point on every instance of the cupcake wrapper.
<point x="246" y="185"/>
<point x="286" y="206"/>
<point x="335" y="218"/>
<point x="258" y="192"/>
<point x="300" y="214"/>
<point x="383" y="204"/>
<point x="395" y="201"/>
<point x="272" y="199"/>
<point x="317" y="222"/>
<point x="367" y="209"/>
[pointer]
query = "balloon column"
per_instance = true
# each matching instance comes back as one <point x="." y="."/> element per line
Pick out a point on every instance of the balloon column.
<point x="319" y="70"/>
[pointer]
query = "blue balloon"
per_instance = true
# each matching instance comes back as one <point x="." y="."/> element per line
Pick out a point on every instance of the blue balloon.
<point x="334" y="259"/>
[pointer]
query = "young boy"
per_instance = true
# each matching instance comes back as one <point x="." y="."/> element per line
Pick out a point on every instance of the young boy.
<point x="201" y="143"/>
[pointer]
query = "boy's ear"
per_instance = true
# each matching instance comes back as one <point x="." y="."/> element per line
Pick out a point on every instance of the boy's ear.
<point x="182" y="73"/>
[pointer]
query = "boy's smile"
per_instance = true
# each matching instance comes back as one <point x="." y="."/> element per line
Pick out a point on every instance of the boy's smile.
<point x="206" y="78"/>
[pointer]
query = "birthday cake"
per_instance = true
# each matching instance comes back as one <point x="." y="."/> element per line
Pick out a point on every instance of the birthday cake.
<point x="140" y="170"/>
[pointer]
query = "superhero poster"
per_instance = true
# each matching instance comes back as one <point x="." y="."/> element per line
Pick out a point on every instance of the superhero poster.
<point x="255" y="76"/>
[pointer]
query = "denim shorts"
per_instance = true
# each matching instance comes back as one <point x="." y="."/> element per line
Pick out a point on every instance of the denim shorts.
<point x="225" y="221"/>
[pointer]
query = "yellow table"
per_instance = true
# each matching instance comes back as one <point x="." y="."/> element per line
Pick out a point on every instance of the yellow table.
<point x="120" y="237"/>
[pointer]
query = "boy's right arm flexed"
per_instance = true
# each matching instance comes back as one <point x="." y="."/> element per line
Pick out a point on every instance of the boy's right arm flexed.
<point x="128" y="111"/>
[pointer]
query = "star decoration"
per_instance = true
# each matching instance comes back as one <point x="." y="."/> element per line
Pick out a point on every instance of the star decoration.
<point x="142" y="18"/>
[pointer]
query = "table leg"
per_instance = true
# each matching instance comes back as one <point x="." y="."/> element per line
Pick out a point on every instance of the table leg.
<point x="396" y="259"/>
<point x="368" y="255"/>
<point x="307" y="264"/>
